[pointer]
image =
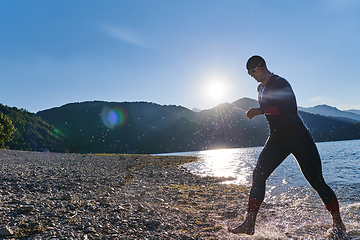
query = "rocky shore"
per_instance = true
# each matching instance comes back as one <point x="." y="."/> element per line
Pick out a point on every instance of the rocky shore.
<point x="75" y="196"/>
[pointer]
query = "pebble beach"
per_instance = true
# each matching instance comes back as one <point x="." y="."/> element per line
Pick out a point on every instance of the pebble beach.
<point x="94" y="196"/>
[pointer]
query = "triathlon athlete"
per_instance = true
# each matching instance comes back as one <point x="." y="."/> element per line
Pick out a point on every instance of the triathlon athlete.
<point x="288" y="135"/>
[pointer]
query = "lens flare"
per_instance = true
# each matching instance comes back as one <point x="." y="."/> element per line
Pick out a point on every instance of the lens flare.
<point x="114" y="117"/>
<point x="56" y="132"/>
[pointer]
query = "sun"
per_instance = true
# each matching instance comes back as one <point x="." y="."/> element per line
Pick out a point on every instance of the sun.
<point x="216" y="90"/>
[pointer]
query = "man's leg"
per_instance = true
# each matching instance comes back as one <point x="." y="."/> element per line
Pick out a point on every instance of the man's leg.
<point x="310" y="164"/>
<point x="334" y="210"/>
<point x="270" y="158"/>
<point x="248" y="227"/>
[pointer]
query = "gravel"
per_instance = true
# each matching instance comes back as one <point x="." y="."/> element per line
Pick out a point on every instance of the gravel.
<point x="94" y="196"/>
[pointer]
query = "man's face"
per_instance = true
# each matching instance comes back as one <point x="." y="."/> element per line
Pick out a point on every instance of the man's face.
<point x="256" y="73"/>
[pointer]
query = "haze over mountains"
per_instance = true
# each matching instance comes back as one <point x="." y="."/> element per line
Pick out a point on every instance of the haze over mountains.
<point x="143" y="127"/>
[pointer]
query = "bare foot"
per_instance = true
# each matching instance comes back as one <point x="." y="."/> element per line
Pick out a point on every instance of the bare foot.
<point x="341" y="227"/>
<point x="337" y="222"/>
<point x="337" y="233"/>
<point x="245" y="228"/>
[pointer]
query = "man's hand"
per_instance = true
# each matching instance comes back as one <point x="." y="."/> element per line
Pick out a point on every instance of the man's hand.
<point x="253" y="112"/>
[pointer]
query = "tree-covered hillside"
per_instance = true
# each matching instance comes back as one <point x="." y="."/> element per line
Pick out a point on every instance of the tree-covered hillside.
<point x="151" y="128"/>
<point x="31" y="132"/>
<point x="142" y="127"/>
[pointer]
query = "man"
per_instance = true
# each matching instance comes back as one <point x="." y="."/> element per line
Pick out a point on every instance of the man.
<point x="288" y="135"/>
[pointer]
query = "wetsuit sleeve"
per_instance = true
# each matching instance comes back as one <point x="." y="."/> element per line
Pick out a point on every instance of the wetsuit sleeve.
<point x="278" y="98"/>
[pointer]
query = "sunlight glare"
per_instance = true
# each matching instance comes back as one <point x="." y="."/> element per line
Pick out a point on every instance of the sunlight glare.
<point x="219" y="159"/>
<point x="216" y="90"/>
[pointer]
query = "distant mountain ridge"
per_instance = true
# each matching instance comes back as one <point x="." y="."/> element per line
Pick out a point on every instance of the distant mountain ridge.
<point x="332" y="112"/>
<point x="143" y="127"/>
<point x="153" y="128"/>
<point x="353" y="111"/>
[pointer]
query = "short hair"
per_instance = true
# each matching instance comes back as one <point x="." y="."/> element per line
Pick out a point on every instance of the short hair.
<point x="255" y="61"/>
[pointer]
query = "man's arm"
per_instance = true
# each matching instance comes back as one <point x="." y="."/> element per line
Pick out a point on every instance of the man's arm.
<point x="254" y="112"/>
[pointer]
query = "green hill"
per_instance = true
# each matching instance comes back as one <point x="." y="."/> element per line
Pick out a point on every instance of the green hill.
<point x="31" y="132"/>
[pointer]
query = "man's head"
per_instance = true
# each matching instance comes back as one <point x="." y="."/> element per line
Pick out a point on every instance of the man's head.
<point x="255" y="62"/>
<point x="256" y="67"/>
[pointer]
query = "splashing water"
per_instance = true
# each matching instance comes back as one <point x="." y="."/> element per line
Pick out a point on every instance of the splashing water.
<point x="292" y="209"/>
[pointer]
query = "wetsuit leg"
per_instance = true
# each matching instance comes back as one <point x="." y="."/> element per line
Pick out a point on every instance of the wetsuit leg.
<point x="270" y="158"/>
<point x="308" y="158"/>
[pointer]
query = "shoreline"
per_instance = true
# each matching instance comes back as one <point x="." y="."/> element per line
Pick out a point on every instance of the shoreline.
<point x="113" y="196"/>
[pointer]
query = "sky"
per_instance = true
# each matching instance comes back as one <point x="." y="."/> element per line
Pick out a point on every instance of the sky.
<point x="190" y="52"/>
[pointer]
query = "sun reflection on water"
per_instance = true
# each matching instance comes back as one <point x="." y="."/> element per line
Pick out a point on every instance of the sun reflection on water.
<point x="226" y="163"/>
<point x="219" y="160"/>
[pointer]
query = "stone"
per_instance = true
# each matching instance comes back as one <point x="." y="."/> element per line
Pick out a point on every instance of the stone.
<point x="191" y="193"/>
<point x="120" y="208"/>
<point x="72" y="207"/>
<point x="16" y="201"/>
<point x="67" y="196"/>
<point x="6" y="231"/>
<point x="27" y="208"/>
<point x="80" y="227"/>
<point x="6" y="193"/>
<point x="89" y="230"/>
<point x="140" y="207"/>
<point x="151" y="223"/>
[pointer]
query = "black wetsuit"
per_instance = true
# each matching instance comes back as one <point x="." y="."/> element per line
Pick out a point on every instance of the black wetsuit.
<point x="288" y="135"/>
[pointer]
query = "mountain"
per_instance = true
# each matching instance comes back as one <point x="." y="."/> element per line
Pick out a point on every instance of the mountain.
<point x="31" y="132"/>
<point x="323" y="128"/>
<point x="142" y="127"/>
<point x="332" y="112"/>
<point x="353" y="111"/>
<point x="246" y="103"/>
<point x="349" y="133"/>
<point x="196" y="110"/>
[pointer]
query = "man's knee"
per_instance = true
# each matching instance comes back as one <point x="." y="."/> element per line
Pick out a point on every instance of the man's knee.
<point x="258" y="177"/>
<point x="316" y="180"/>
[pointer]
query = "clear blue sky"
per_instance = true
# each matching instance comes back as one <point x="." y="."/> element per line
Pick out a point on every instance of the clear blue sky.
<point x="171" y="52"/>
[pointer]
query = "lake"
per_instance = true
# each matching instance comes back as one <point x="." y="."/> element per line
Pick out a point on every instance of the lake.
<point x="296" y="209"/>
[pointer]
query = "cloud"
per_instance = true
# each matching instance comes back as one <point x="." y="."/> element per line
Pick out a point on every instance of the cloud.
<point x="315" y="99"/>
<point x="123" y="34"/>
